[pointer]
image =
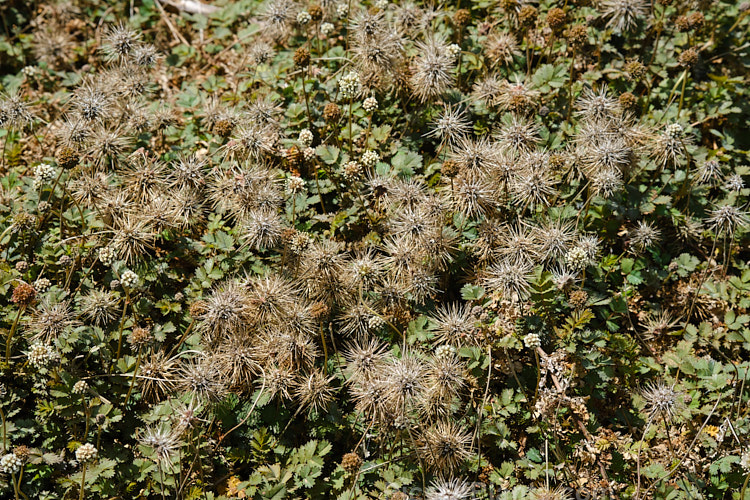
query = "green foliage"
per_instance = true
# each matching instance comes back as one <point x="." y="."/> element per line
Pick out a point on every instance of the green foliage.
<point x="272" y="250"/>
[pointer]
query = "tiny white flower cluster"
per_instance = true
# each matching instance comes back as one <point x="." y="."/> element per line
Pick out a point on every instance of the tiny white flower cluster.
<point x="44" y="173"/>
<point x="30" y="71"/>
<point x="40" y="354"/>
<point x="342" y="9"/>
<point x="42" y="285"/>
<point x="578" y="258"/>
<point x="445" y="351"/>
<point x="295" y="184"/>
<point x="376" y="322"/>
<point x="308" y="153"/>
<point x="745" y="461"/>
<point x="128" y="279"/>
<point x="370" y="158"/>
<point x="454" y="50"/>
<point x="10" y="464"/>
<point x="352" y="170"/>
<point x="349" y="85"/>
<point x="326" y="29"/>
<point x="305" y="137"/>
<point x="86" y="453"/>
<point x="106" y="256"/>
<point x="381" y="4"/>
<point x="304" y="17"/>
<point x="300" y="242"/>
<point x="370" y="104"/>
<point x="532" y="341"/>
<point x="674" y="131"/>
<point x="80" y="387"/>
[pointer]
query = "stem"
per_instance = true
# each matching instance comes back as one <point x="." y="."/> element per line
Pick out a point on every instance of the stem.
<point x="182" y="339"/>
<point x="132" y="381"/>
<point x="12" y="331"/>
<point x="18" y="485"/>
<point x="682" y="94"/>
<point x="351" y="150"/>
<point x="325" y="348"/>
<point x="304" y="91"/>
<point x="538" y="376"/>
<point x="638" y="460"/>
<point x="481" y="409"/>
<point x="570" y="85"/>
<point x="122" y="327"/>
<point x="5" y="144"/>
<point x="161" y="479"/>
<point x="15" y="485"/>
<point x="5" y="433"/>
<point x="87" y="419"/>
<point x="666" y="429"/>
<point x="83" y="482"/>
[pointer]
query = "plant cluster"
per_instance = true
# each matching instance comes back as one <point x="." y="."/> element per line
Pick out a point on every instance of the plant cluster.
<point x="362" y="249"/>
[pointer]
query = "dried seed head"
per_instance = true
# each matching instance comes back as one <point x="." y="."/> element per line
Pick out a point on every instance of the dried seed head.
<point x="140" y="337"/>
<point x="331" y="112"/>
<point x="23" y="294"/>
<point x="462" y="17"/>
<point x="556" y="19"/>
<point x="302" y="57"/>
<point x="663" y="401"/>
<point x="688" y="58"/>
<point x="351" y="462"/>
<point x="577" y="35"/>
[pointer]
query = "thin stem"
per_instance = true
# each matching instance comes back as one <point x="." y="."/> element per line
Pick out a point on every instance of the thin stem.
<point x="478" y="430"/>
<point x="15" y="485"/>
<point x="351" y="150"/>
<point x="304" y="91"/>
<point x="83" y="481"/>
<point x="120" y="331"/>
<point x="87" y="419"/>
<point x="5" y="433"/>
<point x="682" y="94"/>
<point x="182" y="339"/>
<point x="570" y="86"/>
<point x="5" y="144"/>
<point x="669" y="438"/>
<point x="325" y="348"/>
<point x="132" y="381"/>
<point x="12" y="331"/>
<point x="638" y="460"/>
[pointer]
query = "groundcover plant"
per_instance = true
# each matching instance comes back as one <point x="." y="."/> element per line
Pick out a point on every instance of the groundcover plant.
<point x="374" y="250"/>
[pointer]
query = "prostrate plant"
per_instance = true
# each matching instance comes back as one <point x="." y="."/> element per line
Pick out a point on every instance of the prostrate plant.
<point x="374" y="250"/>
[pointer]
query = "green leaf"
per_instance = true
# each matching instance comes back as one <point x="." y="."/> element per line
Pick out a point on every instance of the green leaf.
<point x="329" y="154"/>
<point x="406" y="163"/>
<point x="472" y="292"/>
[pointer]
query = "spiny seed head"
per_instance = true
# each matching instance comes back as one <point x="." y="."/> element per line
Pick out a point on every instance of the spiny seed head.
<point x="444" y="489"/>
<point x="663" y="401"/>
